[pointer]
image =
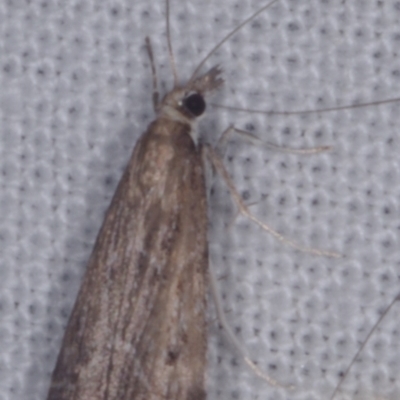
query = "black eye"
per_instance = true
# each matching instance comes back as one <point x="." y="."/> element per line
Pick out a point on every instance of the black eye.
<point x="195" y="104"/>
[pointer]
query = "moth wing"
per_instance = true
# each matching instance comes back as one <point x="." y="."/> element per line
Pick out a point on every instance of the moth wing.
<point x="138" y="330"/>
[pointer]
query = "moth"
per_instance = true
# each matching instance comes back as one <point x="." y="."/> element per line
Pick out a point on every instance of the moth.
<point x="138" y="328"/>
<point x="116" y="346"/>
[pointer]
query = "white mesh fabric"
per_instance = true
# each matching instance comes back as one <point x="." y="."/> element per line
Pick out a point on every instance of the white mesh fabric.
<point x="76" y="94"/>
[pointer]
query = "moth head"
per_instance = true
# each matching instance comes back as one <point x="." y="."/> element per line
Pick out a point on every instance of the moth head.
<point x="187" y="103"/>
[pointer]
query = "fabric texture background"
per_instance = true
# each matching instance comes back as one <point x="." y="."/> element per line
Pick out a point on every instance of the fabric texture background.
<point x="76" y="94"/>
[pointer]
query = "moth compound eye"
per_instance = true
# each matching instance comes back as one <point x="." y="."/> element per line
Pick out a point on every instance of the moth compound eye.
<point x="195" y="104"/>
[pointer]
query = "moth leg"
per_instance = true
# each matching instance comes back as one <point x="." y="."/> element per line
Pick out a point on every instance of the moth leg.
<point x="223" y="139"/>
<point x="251" y="138"/>
<point x="156" y="94"/>
<point x="216" y="162"/>
<point x="231" y="336"/>
<point x="363" y="344"/>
